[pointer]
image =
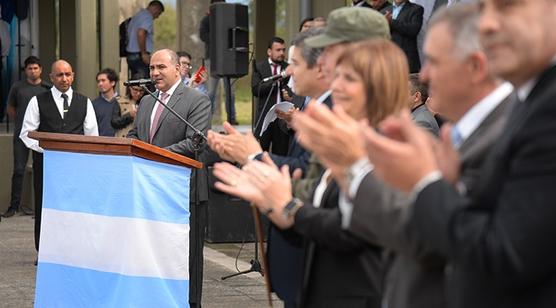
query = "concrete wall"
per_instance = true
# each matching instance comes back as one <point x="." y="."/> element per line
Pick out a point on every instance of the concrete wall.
<point x="109" y="39"/>
<point x="48" y="40"/>
<point x="86" y="42"/>
<point x="265" y="26"/>
<point x="83" y="32"/>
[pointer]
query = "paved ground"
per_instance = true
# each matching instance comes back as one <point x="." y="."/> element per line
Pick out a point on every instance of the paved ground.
<point x="17" y="272"/>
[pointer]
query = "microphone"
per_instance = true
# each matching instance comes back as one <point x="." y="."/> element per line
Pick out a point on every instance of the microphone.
<point x="275" y="77"/>
<point x="138" y="82"/>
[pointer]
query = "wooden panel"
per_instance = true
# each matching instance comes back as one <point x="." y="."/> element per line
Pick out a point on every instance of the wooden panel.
<point x="111" y="146"/>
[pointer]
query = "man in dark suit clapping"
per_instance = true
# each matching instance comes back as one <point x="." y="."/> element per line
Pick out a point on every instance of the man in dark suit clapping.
<point x="496" y="242"/>
<point x="406" y="20"/>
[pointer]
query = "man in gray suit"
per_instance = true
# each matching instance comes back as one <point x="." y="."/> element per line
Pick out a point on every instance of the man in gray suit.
<point x="156" y="125"/>
<point x="419" y="111"/>
<point x="470" y="97"/>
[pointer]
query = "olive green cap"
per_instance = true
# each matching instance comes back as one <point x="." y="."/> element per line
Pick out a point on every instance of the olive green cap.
<point x="351" y="24"/>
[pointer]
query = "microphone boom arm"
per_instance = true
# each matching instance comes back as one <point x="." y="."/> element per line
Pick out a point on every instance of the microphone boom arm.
<point x="198" y="135"/>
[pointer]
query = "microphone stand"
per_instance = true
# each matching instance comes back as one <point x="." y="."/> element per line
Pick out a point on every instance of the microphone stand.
<point x="255" y="262"/>
<point x="198" y="136"/>
<point x="197" y="140"/>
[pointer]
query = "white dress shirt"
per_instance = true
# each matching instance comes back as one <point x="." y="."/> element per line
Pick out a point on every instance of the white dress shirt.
<point x="278" y="71"/>
<point x="476" y="115"/>
<point x="32" y="120"/>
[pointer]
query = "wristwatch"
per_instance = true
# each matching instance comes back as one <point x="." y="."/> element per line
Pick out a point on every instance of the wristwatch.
<point x="292" y="207"/>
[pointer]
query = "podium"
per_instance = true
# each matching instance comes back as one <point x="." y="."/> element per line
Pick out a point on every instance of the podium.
<point x="115" y="223"/>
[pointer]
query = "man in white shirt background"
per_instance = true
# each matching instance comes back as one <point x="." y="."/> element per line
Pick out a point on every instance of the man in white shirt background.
<point x="60" y="110"/>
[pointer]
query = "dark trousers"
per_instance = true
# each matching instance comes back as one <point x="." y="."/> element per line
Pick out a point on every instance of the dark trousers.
<point x="197" y="223"/>
<point x="275" y="137"/>
<point x="21" y="155"/>
<point x="138" y="69"/>
<point x="37" y="184"/>
<point x="230" y="100"/>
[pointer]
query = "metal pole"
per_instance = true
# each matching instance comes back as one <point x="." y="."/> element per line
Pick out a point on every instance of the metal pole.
<point x="305" y="9"/>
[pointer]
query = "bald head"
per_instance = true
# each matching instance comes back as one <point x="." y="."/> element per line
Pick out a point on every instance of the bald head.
<point x="168" y="53"/>
<point x="60" y="63"/>
<point x="61" y="75"/>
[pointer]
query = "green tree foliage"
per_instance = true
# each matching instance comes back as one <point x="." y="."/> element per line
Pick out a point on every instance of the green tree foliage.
<point x="165" y="29"/>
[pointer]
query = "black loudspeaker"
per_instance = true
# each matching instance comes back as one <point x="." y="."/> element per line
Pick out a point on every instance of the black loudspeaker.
<point x="229" y="40"/>
<point x="229" y="219"/>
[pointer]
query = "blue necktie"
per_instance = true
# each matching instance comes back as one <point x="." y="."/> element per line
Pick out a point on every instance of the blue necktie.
<point x="456" y="137"/>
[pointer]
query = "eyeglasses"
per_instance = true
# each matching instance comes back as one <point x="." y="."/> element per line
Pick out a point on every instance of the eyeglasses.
<point x="188" y="65"/>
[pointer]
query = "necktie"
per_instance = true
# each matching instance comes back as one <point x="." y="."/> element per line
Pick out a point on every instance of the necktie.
<point x="274" y="69"/>
<point x="159" y="109"/>
<point x="66" y="105"/>
<point x="456" y="137"/>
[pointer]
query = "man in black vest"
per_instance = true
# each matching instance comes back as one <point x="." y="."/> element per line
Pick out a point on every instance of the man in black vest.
<point x="60" y="110"/>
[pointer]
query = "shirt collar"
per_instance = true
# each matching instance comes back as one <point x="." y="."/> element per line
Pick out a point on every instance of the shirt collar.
<point x="272" y="62"/>
<point x="475" y="116"/>
<point x="57" y="94"/>
<point x="172" y="89"/>
<point x="323" y="97"/>
<point x="398" y="5"/>
<point x="106" y="98"/>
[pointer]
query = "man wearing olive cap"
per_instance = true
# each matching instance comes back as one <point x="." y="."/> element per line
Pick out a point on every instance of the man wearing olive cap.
<point x="355" y="279"/>
<point x="345" y="26"/>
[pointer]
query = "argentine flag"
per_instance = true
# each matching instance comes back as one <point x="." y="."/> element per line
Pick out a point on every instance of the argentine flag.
<point x="115" y="232"/>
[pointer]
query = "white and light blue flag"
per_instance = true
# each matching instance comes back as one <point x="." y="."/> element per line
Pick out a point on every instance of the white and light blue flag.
<point x="115" y="232"/>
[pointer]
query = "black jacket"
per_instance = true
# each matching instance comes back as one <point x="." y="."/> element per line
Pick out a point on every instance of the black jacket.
<point x="404" y="31"/>
<point x="498" y="243"/>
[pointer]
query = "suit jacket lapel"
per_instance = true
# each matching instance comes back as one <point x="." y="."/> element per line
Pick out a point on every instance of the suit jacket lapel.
<point x="266" y="69"/>
<point x="483" y="137"/>
<point x="496" y="164"/>
<point x="404" y="11"/>
<point x="174" y="99"/>
<point x="148" y="104"/>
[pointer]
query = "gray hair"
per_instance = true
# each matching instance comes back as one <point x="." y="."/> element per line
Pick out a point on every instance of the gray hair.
<point x="462" y="20"/>
<point x="310" y="55"/>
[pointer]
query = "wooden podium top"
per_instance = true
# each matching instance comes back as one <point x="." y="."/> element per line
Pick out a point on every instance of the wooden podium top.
<point x="112" y="146"/>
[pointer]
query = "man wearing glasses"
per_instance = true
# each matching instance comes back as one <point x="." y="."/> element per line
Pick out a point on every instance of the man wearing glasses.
<point x="185" y="72"/>
<point x="60" y="110"/>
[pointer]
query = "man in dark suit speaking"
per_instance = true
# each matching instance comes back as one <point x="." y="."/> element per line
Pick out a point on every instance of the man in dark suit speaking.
<point x="272" y="91"/>
<point x="156" y="125"/>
